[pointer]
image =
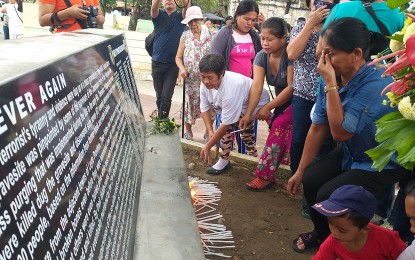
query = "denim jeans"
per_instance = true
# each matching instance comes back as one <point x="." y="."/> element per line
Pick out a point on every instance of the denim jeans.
<point x="6" y="32"/>
<point x="398" y="218"/>
<point x="301" y="123"/>
<point x="164" y="80"/>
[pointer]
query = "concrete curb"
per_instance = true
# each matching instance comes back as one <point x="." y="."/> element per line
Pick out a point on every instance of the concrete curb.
<point x="166" y="222"/>
<point x="237" y="157"/>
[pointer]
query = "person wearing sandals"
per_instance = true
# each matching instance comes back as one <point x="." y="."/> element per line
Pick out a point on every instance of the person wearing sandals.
<point x="273" y="64"/>
<point x="349" y="102"/>
<point x="194" y="44"/>
<point x="349" y="211"/>
<point x="393" y="21"/>
<point x="225" y="92"/>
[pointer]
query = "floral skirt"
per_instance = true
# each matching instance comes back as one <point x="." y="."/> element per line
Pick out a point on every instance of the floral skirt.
<point x="192" y="104"/>
<point x="277" y="147"/>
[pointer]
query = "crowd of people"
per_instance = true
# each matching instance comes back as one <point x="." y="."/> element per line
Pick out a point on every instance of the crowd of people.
<point x="321" y="119"/>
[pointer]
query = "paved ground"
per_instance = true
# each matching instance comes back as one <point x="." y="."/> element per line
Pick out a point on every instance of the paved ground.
<point x="148" y="101"/>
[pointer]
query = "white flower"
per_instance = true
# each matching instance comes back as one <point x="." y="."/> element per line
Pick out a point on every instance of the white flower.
<point x="409" y="32"/>
<point x="407" y="109"/>
<point x="395" y="45"/>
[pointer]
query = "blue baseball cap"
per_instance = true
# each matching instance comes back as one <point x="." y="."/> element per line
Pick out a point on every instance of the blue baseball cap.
<point x="348" y="198"/>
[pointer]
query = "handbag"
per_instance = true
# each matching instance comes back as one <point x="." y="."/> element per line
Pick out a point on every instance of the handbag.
<point x="149" y="40"/>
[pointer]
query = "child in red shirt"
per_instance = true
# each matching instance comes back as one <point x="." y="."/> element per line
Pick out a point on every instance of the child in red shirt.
<point x="349" y="210"/>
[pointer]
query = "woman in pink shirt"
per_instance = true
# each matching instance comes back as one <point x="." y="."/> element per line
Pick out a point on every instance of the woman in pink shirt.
<point x="238" y="43"/>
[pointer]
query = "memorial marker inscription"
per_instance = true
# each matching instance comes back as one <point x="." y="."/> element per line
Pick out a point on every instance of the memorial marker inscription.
<point x="71" y="153"/>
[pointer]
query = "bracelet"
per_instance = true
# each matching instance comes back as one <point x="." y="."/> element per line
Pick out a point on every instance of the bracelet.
<point x="56" y="17"/>
<point x="330" y="88"/>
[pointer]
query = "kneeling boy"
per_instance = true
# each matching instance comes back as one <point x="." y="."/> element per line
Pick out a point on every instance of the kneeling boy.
<point x="349" y="211"/>
<point x="227" y="93"/>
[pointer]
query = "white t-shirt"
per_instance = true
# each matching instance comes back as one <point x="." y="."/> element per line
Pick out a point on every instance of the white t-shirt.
<point x="408" y="253"/>
<point x="15" y="24"/>
<point x="231" y="98"/>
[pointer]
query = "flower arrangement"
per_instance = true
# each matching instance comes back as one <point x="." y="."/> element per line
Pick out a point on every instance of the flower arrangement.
<point x="396" y="130"/>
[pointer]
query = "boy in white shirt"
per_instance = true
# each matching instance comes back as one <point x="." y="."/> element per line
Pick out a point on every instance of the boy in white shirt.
<point x="227" y="93"/>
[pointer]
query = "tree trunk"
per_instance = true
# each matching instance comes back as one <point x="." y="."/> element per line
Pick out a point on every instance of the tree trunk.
<point x="135" y="14"/>
<point x="141" y="10"/>
<point x="288" y="6"/>
<point x="222" y="8"/>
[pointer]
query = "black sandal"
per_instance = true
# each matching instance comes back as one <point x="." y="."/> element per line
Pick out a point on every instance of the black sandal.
<point x="310" y="242"/>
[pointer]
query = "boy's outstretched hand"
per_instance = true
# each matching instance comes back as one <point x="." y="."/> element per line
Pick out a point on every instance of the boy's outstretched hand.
<point x="243" y="122"/>
<point x="205" y="155"/>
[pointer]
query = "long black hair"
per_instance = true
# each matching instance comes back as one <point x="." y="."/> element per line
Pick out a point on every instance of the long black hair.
<point x="245" y="6"/>
<point x="347" y="34"/>
<point x="277" y="26"/>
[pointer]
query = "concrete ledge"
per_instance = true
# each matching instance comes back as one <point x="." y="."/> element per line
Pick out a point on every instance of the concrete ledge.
<point x="237" y="157"/>
<point x="166" y="222"/>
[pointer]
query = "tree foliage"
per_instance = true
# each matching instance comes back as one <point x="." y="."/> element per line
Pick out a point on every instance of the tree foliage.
<point x="207" y="6"/>
<point x="141" y="9"/>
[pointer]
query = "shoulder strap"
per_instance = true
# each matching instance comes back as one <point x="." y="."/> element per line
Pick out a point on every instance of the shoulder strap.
<point x="369" y="9"/>
<point x="80" y="22"/>
<point x="266" y="69"/>
<point x="17" y="13"/>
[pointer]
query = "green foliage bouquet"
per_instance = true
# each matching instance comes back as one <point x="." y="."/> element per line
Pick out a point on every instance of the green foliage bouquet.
<point x="163" y="126"/>
<point x="396" y="130"/>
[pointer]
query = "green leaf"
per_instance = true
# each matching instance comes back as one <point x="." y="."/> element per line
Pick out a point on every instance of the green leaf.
<point x="402" y="137"/>
<point x="398" y="136"/>
<point x="397" y="37"/>
<point x="392" y="4"/>
<point x="380" y="156"/>
<point x="389" y="116"/>
<point x="403" y="72"/>
<point x="388" y="129"/>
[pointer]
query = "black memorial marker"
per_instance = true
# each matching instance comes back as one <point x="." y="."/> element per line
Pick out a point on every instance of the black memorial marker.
<point x="71" y="153"/>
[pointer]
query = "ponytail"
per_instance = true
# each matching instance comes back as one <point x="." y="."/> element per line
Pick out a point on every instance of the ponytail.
<point x="378" y="43"/>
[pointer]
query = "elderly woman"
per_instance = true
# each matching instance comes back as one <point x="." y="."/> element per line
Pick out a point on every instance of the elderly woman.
<point x="194" y="44"/>
<point x="348" y="104"/>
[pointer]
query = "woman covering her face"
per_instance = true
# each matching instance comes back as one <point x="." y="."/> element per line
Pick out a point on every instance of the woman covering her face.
<point x="348" y="103"/>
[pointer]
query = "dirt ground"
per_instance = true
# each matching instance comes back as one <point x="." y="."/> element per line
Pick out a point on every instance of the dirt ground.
<point x="263" y="224"/>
